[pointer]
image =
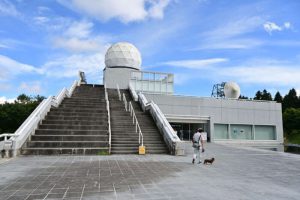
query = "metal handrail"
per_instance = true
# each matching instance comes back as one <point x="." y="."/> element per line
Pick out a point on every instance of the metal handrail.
<point x="5" y="135"/>
<point x="133" y="93"/>
<point x="174" y="144"/>
<point x="125" y="101"/>
<point x="134" y="119"/>
<point x="165" y="122"/>
<point x="74" y="85"/>
<point x="108" y="120"/>
<point x="31" y="123"/>
<point x="119" y="93"/>
<point x="159" y="115"/>
<point x="137" y="125"/>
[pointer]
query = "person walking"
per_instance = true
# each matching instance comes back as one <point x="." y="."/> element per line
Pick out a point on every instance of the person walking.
<point x="197" y="145"/>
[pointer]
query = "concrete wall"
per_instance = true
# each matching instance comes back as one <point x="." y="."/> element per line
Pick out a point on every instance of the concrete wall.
<point x="223" y="111"/>
<point x="114" y="76"/>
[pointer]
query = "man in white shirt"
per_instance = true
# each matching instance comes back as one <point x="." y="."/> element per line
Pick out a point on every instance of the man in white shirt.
<point x="197" y="144"/>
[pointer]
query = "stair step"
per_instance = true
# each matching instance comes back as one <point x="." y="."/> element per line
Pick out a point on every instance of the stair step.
<point x="69" y="138"/>
<point x="77" y="118"/>
<point x="70" y="132"/>
<point x="124" y="137"/>
<point x="77" y="114"/>
<point x="78" y="110"/>
<point x="68" y="151"/>
<point x="117" y="151"/>
<point x="67" y="144"/>
<point x="75" y="122"/>
<point x="73" y="127"/>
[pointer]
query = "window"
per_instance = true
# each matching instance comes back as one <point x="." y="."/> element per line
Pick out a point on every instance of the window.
<point x="265" y="133"/>
<point x="221" y="131"/>
<point x="241" y="132"/>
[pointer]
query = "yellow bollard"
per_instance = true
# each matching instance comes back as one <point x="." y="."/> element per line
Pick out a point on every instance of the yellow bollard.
<point x="142" y="150"/>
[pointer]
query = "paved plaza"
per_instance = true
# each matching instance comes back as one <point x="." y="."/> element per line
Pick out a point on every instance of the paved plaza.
<point x="238" y="173"/>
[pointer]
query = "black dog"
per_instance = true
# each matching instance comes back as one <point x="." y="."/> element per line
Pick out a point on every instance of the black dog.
<point x="208" y="161"/>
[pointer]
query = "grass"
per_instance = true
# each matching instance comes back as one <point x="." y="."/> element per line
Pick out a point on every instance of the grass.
<point x="102" y="153"/>
<point x="293" y="139"/>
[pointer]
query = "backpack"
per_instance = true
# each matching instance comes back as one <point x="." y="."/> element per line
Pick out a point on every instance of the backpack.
<point x="196" y="143"/>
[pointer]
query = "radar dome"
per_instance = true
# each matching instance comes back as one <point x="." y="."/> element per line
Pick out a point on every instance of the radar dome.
<point x="123" y="54"/>
<point x="232" y="90"/>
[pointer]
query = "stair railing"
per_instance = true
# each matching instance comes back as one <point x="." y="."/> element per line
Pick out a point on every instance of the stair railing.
<point x="133" y="93"/>
<point x="125" y="102"/>
<point x="134" y="119"/>
<point x="18" y="139"/>
<point x="137" y="125"/>
<point x="108" y="120"/>
<point x="119" y="93"/>
<point x="175" y="145"/>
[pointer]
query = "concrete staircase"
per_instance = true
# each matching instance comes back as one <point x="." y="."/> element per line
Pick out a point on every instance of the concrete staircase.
<point x="77" y="126"/>
<point x="124" y="137"/>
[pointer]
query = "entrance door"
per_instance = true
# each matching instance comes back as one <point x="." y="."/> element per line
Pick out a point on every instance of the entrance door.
<point x="185" y="131"/>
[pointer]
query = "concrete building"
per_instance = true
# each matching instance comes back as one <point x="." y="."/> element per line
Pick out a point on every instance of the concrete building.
<point x="226" y="119"/>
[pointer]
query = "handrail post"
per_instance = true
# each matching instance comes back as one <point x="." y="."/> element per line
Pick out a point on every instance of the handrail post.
<point x="28" y="127"/>
<point x="129" y="108"/>
<point x="108" y="119"/>
<point x="119" y="93"/>
<point x="175" y="145"/>
<point x="139" y="138"/>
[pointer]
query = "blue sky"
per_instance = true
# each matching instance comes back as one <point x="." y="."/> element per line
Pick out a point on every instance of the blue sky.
<point x="43" y="43"/>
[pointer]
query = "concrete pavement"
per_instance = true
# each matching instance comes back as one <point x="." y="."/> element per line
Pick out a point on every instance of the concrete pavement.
<point x="238" y="173"/>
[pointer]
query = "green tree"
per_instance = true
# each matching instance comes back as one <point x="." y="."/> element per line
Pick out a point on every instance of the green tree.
<point x="290" y="100"/>
<point x="291" y="120"/>
<point x="243" y="97"/>
<point x="12" y="115"/>
<point x="266" y="95"/>
<point x="39" y="98"/>
<point x="278" y="98"/>
<point x="258" y="95"/>
<point x="23" y="98"/>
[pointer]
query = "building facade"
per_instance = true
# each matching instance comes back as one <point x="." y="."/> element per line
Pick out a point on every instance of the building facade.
<point x="224" y="119"/>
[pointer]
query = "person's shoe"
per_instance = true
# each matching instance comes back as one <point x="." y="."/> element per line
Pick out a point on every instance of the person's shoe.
<point x="193" y="161"/>
<point x="199" y="162"/>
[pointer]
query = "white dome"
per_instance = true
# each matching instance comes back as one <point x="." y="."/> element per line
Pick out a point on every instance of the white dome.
<point x="123" y="54"/>
<point x="232" y="90"/>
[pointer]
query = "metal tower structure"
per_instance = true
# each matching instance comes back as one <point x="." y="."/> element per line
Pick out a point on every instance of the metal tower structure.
<point x="218" y="90"/>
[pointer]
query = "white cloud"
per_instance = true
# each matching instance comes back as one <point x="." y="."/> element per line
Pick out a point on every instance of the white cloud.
<point x="180" y="78"/>
<point x="7" y="8"/>
<point x="40" y="20"/>
<point x="31" y="87"/>
<point x="157" y="8"/>
<point x="271" y="26"/>
<point x="10" y="67"/>
<point x="229" y="35"/>
<point x="4" y="99"/>
<point x="81" y="29"/>
<point x="123" y="10"/>
<point x="235" y="27"/>
<point x="68" y="66"/>
<point x="77" y="45"/>
<point x="43" y="9"/>
<point x="3" y="46"/>
<point x="196" y="64"/>
<point x="53" y="24"/>
<point x="245" y="43"/>
<point x="77" y="37"/>
<point x="268" y="72"/>
<point x="287" y="25"/>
